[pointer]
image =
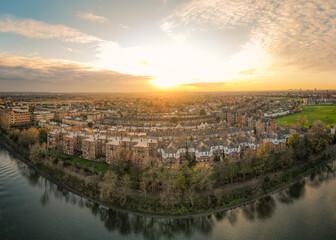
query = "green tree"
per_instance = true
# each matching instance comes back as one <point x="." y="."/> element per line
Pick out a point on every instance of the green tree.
<point x="202" y="112"/>
<point x="294" y="140"/>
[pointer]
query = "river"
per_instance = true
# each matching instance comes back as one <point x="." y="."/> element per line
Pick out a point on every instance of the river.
<point x="32" y="207"/>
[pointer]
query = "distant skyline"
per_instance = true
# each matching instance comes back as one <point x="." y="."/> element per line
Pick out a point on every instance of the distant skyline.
<point x="167" y="45"/>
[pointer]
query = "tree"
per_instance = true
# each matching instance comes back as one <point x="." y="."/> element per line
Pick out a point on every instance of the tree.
<point x="173" y="120"/>
<point x="107" y="187"/>
<point x="216" y="158"/>
<point x="318" y="126"/>
<point x="52" y="155"/>
<point x="4" y="125"/>
<point x="170" y="190"/>
<point x="122" y="161"/>
<point x="202" y="112"/>
<point x="92" y="181"/>
<point x="143" y="186"/>
<point x="192" y="162"/>
<point x="294" y="140"/>
<point x="182" y="182"/>
<point x="125" y="184"/>
<point x="219" y="196"/>
<point x="219" y="169"/>
<point x="14" y="134"/>
<point x="287" y="157"/>
<point x="29" y="137"/>
<point x="202" y="175"/>
<point x="43" y="134"/>
<point x="232" y="170"/>
<point x="90" y="124"/>
<point x="60" y="164"/>
<point x="110" y="178"/>
<point x="38" y="152"/>
<point x="301" y="121"/>
<point x="247" y="161"/>
<point x="265" y="154"/>
<point x="317" y="139"/>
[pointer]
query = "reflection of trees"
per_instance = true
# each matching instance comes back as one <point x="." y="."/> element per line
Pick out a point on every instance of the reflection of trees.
<point x="45" y="197"/>
<point x="29" y="173"/>
<point x="220" y="215"/>
<point x="249" y="211"/>
<point x="265" y="207"/>
<point x="324" y="174"/>
<point x="153" y="228"/>
<point x="294" y="192"/>
<point x="232" y="216"/>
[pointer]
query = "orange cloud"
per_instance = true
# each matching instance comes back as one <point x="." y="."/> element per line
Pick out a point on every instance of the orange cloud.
<point x="34" y="74"/>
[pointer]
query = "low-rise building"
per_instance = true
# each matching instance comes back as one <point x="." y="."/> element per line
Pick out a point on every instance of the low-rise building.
<point x="42" y="115"/>
<point x="17" y="117"/>
<point x="90" y="148"/>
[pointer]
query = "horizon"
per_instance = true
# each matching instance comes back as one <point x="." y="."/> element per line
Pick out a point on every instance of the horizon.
<point x="170" y="92"/>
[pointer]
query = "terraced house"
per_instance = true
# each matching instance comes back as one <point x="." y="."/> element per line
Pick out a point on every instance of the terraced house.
<point x="170" y="147"/>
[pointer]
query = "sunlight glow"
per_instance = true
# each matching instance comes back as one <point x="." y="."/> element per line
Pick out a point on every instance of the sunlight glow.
<point x="179" y="63"/>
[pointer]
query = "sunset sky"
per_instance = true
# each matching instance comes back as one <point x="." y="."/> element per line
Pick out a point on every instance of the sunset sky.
<point x="152" y="45"/>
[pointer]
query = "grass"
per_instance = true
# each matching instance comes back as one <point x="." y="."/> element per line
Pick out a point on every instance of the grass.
<point x="83" y="163"/>
<point x="325" y="113"/>
<point x="96" y="166"/>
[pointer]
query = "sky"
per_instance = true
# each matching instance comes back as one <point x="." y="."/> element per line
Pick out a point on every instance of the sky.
<point x="167" y="45"/>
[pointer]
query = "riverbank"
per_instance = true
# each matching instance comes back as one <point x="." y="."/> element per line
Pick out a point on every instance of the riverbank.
<point x="255" y="192"/>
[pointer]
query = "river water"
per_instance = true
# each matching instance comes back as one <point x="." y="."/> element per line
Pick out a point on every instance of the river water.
<point x="33" y="208"/>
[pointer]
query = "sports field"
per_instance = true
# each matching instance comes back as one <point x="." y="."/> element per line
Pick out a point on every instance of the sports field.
<point x="325" y="113"/>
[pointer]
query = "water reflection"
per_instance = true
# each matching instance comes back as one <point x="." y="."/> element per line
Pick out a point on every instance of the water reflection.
<point x="295" y="192"/>
<point x="154" y="228"/>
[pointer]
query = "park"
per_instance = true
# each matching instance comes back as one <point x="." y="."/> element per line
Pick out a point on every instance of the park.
<point x="325" y="113"/>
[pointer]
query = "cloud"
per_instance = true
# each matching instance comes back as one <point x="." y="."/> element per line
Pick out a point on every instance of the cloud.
<point x="41" y="30"/>
<point x="34" y="74"/>
<point x="125" y="27"/>
<point x="91" y="17"/>
<point x="295" y="33"/>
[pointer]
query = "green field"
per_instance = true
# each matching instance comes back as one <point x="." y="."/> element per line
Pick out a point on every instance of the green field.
<point x="83" y="163"/>
<point x="325" y="113"/>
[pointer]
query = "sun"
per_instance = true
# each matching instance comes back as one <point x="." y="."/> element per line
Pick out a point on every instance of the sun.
<point x="162" y="83"/>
